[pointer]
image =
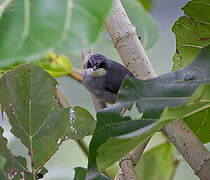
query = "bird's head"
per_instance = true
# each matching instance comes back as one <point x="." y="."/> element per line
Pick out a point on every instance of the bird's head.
<point x="96" y="65"/>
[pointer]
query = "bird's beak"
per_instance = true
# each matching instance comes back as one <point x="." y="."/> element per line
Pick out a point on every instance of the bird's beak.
<point x="94" y="68"/>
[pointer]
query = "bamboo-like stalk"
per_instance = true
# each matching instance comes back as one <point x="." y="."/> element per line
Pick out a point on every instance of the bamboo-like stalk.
<point x="133" y="55"/>
<point x="127" y="43"/>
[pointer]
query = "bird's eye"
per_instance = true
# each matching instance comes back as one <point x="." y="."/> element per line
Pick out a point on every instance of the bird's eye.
<point x="102" y="64"/>
<point x="88" y="65"/>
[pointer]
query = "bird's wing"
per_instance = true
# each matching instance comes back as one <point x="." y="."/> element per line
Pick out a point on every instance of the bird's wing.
<point x="115" y="75"/>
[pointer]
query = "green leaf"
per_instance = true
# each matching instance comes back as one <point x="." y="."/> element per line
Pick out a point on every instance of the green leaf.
<point x="199" y="10"/>
<point x="2" y="162"/>
<point x="146" y="4"/>
<point x="56" y="66"/>
<point x="199" y="123"/>
<point x="192" y="32"/>
<point x="27" y="95"/>
<point x="110" y="125"/>
<point x="170" y="89"/>
<point x="145" y="25"/>
<point x="82" y="123"/>
<point x="11" y="166"/>
<point x="80" y="174"/>
<point x="157" y="163"/>
<point x="126" y="137"/>
<point x="31" y="29"/>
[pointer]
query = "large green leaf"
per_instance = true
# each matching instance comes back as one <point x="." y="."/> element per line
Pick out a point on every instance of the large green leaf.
<point x="82" y="123"/>
<point x="27" y="95"/>
<point x="157" y="163"/>
<point x="146" y="26"/>
<point x="12" y="166"/>
<point x="30" y="29"/>
<point x="103" y="131"/>
<point x="192" y="32"/>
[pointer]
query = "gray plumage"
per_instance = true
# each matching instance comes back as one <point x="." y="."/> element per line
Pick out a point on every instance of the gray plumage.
<point x="105" y="87"/>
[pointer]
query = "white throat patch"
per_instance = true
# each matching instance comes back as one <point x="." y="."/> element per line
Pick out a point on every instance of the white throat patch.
<point x="97" y="73"/>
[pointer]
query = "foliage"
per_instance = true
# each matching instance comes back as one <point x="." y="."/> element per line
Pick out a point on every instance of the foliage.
<point x="12" y="166"/>
<point x="146" y="3"/>
<point x="58" y="30"/>
<point x="192" y="32"/>
<point x="56" y="66"/>
<point x="82" y="123"/>
<point x="31" y="29"/>
<point x="28" y="96"/>
<point x="162" y="165"/>
<point x="80" y="174"/>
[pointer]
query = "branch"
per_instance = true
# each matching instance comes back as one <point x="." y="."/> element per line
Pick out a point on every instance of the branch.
<point x="132" y="53"/>
<point x="76" y="74"/>
<point x="127" y="43"/>
<point x="190" y="147"/>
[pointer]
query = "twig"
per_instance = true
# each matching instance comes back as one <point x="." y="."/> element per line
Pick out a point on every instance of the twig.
<point x="190" y="147"/>
<point x="63" y="98"/>
<point x="76" y="74"/>
<point x="126" y="165"/>
<point x="131" y="51"/>
<point x="123" y="112"/>
<point x="99" y="105"/>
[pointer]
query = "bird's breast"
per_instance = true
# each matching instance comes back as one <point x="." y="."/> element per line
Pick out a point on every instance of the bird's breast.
<point x="93" y="82"/>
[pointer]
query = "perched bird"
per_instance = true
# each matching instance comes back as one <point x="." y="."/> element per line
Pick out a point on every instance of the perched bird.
<point x="103" y="77"/>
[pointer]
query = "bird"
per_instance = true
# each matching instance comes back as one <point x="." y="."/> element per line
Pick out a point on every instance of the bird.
<point x="103" y="77"/>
